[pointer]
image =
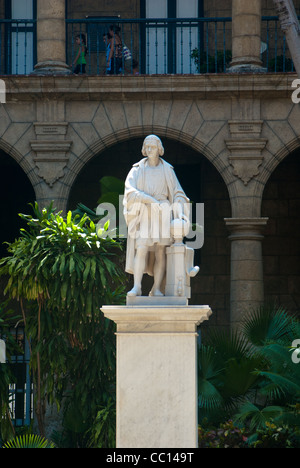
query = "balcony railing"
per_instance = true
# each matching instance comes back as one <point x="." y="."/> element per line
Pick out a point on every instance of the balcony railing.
<point x="17" y="46"/>
<point x="158" y="46"/>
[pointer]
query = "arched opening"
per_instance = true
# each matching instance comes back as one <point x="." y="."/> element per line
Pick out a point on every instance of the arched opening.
<point x="16" y="192"/>
<point x="281" y="247"/>
<point x="203" y="184"/>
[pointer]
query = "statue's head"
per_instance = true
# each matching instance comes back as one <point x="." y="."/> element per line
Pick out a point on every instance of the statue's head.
<point x="158" y="142"/>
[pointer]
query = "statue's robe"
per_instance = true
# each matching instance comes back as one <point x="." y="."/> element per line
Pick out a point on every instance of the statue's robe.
<point x="137" y="213"/>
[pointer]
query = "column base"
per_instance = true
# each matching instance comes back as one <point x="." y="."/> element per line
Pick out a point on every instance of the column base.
<point x="51" y="68"/>
<point x="157" y="374"/>
<point x="246" y="68"/>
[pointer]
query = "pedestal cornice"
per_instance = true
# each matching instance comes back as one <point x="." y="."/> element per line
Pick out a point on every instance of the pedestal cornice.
<point x="150" y="319"/>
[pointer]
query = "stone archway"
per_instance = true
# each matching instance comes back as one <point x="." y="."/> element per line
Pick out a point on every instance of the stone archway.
<point x="16" y="191"/>
<point x="202" y="183"/>
<point x="281" y="246"/>
<point x="139" y="132"/>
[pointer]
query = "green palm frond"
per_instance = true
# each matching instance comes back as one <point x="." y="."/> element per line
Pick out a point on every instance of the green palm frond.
<point x="284" y="383"/>
<point x="209" y="397"/>
<point x="256" y="417"/>
<point x="29" y="441"/>
<point x="269" y="323"/>
<point x="229" y="345"/>
<point x="208" y="379"/>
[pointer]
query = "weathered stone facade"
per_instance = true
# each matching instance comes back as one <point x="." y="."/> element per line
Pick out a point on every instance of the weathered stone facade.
<point x="244" y="125"/>
<point x="230" y="133"/>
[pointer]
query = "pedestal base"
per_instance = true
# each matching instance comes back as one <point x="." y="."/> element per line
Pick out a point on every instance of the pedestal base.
<point x="157" y="374"/>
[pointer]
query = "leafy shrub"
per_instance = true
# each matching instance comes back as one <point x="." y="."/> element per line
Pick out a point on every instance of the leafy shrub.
<point x="216" y="63"/>
<point x="62" y="272"/>
<point x="249" y="376"/>
<point x="280" y="64"/>
<point x="275" y="436"/>
<point x="227" y="435"/>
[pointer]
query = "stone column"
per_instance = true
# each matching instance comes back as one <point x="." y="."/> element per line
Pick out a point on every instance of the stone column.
<point x="247" y="290"/>
<point x="246" y="36"/>
<point x="157" y="374"/>
<point x="51" y="38"/>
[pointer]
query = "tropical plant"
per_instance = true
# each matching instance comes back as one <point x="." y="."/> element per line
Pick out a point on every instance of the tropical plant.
<point x="111" y="189"/>
<point x="227" y="435"/>
<point x="102" y="433"/>
<point x="61" y="271"/>
<point x="7" y="317"/>
<point x="216" y="63"/>
<point x="29" y="441"/>
<point x="272" y="332"/>
<point x="226" y="365"/>
<point x="280" y="64"/>
<point x="108" y="208"/>
<point x="249" y="376"/>
<point x="275" y="436"/>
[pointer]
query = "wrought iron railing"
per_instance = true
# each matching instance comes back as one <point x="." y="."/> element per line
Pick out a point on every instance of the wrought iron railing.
<point x="158" y="46"/>
<point x="17" y="46"/>
<point x="20" y="391"/>
<point x="275" y="53"/>
<point x="176" y="46"/>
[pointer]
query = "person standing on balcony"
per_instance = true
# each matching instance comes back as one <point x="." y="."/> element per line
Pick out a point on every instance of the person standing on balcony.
<point x="106" y="40"/>
<point x="80" y="60"/>
<point x="116" y="51"/>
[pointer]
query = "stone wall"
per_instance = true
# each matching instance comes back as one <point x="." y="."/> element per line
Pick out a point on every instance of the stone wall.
<point x="131" y="9"/>
<point x="124" y="8"/>
<point x="232" y="130"/>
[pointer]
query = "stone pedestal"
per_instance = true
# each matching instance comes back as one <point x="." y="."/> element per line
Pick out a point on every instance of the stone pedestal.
<point x="156" y="373"/>
<point x="180" y="267"/>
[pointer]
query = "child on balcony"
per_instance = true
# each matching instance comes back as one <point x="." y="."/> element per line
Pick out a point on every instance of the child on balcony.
<point x="80" y="60"/>
<point x="106" y="40"/>
<point x="116" y="51"/>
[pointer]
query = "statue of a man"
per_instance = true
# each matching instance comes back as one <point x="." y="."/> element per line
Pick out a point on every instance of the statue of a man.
<point x="152" y="198"/>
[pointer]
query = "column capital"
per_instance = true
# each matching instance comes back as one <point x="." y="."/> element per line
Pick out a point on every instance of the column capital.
<point x="246" y="228"/>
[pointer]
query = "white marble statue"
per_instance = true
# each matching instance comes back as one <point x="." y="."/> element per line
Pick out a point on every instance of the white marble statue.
<point x="153" y="202"/>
